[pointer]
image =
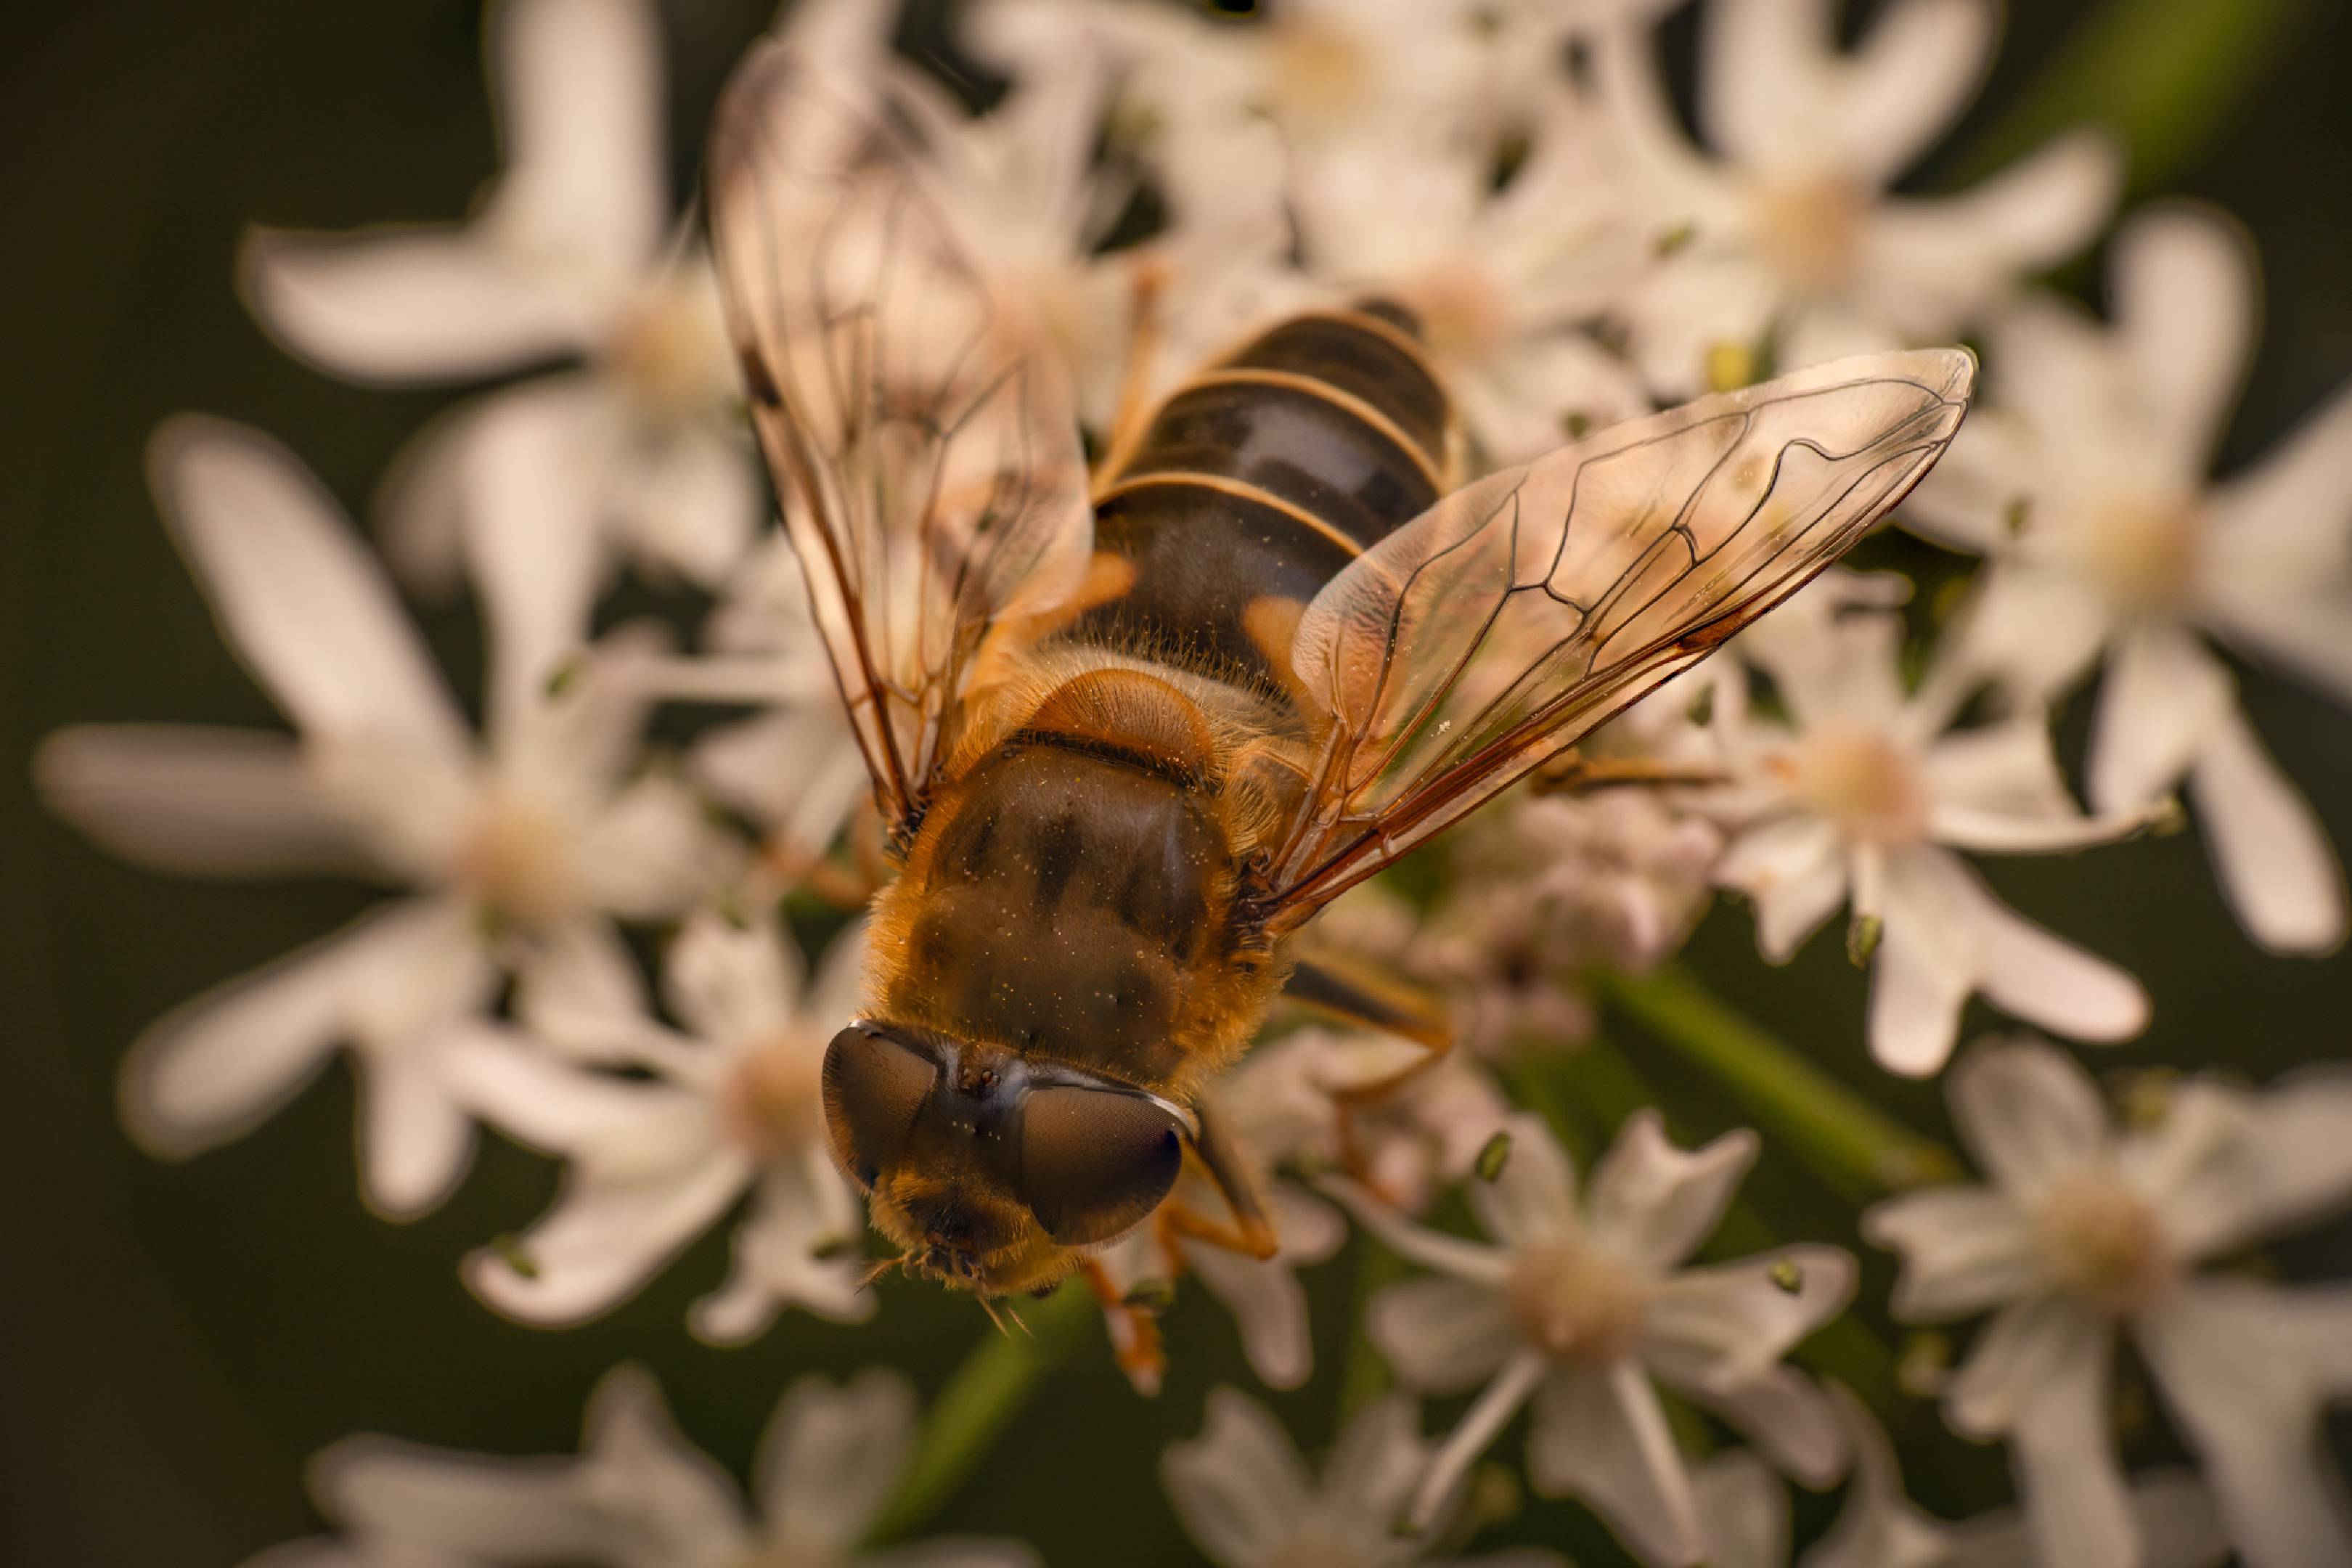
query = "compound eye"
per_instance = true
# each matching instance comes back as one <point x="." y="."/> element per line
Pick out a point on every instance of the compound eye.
<point x="1094" y="1161"/>
<point x="874" y="1086"/>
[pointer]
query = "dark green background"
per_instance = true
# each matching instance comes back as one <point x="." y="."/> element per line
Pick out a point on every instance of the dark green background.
<point x="173" y="1341"/>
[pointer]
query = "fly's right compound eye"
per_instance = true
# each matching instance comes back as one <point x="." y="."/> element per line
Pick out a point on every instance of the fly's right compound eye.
<point x="1095" y="1162"/>
<point x="874" y="1086"/>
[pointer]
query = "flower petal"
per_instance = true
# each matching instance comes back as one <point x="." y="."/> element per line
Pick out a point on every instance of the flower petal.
<point x="797" y="1247"/>
<point x="195" y="801"/>
<point x="1720" y="1326"/>
<point x="212" y="1070"/>
<point x="2247" y="1369"/>
<point x="829" y="1458"/>
<point x="2062" y="1448"/>
<point x="2280" y="872"/>
<point x="296" y="594"/>
<point x="1654" y="1204"/>
<point x="415" y="1140"/>
<point x="1602" y="1438"/>
<point x="404" y="305"/>
<point x="1441" y="1334"/>
<point x="737" y="985"/>
<point x="1268" y="1305"/>
<point x="1785" y="1415"/>
<point x="1878" y="1528"/>
<point x="2186" y="297"/>
<point x="2164" y="695"/>
<point x="1744" y="1508"/>
<point x="1534" y="1198"/>
<point x="639" y="1476"/>
<point x="2028" y="1112"/>
<point x="1964" y="1249"/>
<point x="577" y="989"/>
<point x="1794" y="871"/>
<point x="1239" y="1488"/>
<point x="2039" y="977"/>
<point x="2235" y="1168"/>
<point x="2026" y="1348"/>
<point x="580" y="111"/>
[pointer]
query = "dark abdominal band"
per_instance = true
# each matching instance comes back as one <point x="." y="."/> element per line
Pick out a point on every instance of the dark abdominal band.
<point x="1264" y="476"/>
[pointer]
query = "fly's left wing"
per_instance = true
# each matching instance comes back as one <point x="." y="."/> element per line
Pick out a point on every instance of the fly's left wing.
<point x="1489" y="634"/>
<point x="919" y="430"/>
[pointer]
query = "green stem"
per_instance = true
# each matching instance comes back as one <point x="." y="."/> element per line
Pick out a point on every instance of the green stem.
<point x="995" y="1383"/>
<point x="1364" y="1376"/>
<point x="2162" y="74"/>
<point x="1855" y="1147"/>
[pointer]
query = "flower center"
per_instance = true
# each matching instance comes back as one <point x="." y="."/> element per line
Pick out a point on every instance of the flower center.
<point x="519" y="859"/>
<point x="773" y="1100"/>
<point x="1463" y="314"/>
<point x="1576" y="1305"/>
<point x="2144" y="552"/>
<point x="1317" y="74"/>
<point x="1809" y="229"/>
<point x="2101" y="1242"/>
<point x="670" y="350"/>
<point x="1863" y="782"/>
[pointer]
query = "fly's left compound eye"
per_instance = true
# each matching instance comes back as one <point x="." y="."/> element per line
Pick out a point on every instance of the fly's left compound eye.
<point x="875" y="1087"/>
<point x="1095" y="1162"/>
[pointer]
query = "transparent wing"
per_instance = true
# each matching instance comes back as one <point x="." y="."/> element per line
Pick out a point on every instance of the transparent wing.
<point x="925" y="450"/>
<point x="1490" y="632"/>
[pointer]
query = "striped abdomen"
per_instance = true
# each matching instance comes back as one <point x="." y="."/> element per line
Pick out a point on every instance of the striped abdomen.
<point x="1261" y="478"/>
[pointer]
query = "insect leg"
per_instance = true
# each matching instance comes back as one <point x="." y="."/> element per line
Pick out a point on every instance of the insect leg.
<point x="1360" y="999"/>
<point x="1574" y="772"/>
<point x="1134" y="1331"/>
<point x="1251" y="1230"/>
<point x="1136" y="402"/>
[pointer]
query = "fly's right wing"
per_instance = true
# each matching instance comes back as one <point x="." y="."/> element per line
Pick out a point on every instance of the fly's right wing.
<point x="920" y="432"/>
<point x="1515" y="614"/>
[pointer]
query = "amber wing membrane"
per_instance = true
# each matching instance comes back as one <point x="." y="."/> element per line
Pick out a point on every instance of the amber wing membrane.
<point x="925" y="451"/>
<point x="1516" y="613"/>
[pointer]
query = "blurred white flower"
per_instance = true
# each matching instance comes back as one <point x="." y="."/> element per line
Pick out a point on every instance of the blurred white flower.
<point x="1323" y="71"/>
<point x="545" y="828"/>
<point x="792" y="767"/>
<point x="569" y="256"/>
<point x="1579" y="1306"/>
<point x="2084" y="479"/>
<point x="1498" y="278"/>
<point x="640" y="1495"/>
<point x="1618" y="877"/>
<point x="1746" y="1509"/>
<point x="2087" y="1230"/>
<point x="1243" y="1493"/>
<point x="1268" y="1304"/>
<point x="1283" y="1104"/>
<point x="1787" y="231"/>
<point x="1861" y="796"/>
<point x="732" y="1104"/>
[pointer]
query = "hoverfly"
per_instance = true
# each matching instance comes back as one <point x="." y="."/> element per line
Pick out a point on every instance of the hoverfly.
<point x="1129" y="730"/>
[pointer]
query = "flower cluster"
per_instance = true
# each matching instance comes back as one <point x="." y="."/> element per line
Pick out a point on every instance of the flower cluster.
<point x="1156" y="179"/>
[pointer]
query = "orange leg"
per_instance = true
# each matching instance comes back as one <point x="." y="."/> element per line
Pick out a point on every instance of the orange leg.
<point x="1251" y="1230"/>
<point x="1133" y="415"/>
<point x="1135" y="1339"/>
<point x="1572" y="770"/>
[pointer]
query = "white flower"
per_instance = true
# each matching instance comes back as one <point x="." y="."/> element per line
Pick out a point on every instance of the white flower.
<point x="641" y="1496"/>
<point x="1788" y="230"/>
<point x="1498" y="278"/>
<point x="569" y="256"/>
<point x="1323" y="71"/>
<point x="1581" y="1305"/>
<point x="1617" y="878"/>
<point x="1746" y="1508"/>
<point x="541" y="828"/>
<point x="1245" y="1497"/>
<point x="1862" y="795"/>
<point x="1283" y="1104"/>
<point x="2084" y="479"/>
<point x="2087" y="1230"/>
<point x="792" y="767"/>
<point x="1268" y="1305"/>
<point x="733" y="1104"/>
